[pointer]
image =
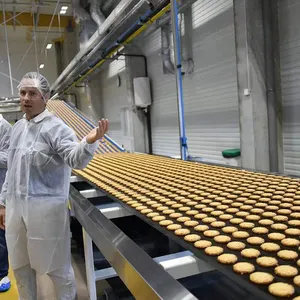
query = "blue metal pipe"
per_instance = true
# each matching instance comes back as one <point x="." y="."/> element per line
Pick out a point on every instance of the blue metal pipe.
<point x="180" y="100"/>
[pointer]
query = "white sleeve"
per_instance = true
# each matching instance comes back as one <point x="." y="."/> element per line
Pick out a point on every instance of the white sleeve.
<point x="5" y="132"/>
<point x="75" y="154"/>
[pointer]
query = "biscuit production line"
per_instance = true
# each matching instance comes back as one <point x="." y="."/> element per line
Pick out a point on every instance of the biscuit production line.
<point x="244" y="224"/>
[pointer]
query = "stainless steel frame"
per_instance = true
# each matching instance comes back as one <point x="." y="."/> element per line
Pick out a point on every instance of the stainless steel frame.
<point x="139" y="272"/>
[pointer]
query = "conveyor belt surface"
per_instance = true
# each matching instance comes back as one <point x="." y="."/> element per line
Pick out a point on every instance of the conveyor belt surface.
<point x="214" y="206"/>
<point x="80" y="125"/>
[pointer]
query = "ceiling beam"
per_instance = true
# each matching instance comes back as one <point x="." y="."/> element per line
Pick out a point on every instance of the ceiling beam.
<point x="44" y="20"/>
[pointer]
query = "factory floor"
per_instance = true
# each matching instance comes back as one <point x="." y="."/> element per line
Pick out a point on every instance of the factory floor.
<point x="45" y="287"/>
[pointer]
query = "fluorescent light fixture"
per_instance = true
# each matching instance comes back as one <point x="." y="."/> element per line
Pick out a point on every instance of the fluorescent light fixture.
<point x="42" y="66"/>
<point x="63" y="12"/>
<point x="64" y="8"/>
<point x="49" y="46"/>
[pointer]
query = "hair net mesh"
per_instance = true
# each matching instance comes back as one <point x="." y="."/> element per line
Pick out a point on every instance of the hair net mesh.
<point x="38" y="81"/>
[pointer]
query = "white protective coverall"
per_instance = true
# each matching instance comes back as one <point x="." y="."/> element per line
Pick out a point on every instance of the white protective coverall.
<point x="5" y="131"/>
<point x="41" y="154"/>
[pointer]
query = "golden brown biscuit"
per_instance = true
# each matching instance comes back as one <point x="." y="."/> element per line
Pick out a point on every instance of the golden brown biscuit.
<point x="211" y="233"/>
<point x="175" y="215"/>
<point x="183" y="219"/>
<point x="152" y="214"/>
<point x="192" y="238"/>
<point x="236" y="245"/>
<point x="165" y="222"/>
<point x="297" y="280"/>
<point x="279" y="226"/>
<point x="191" y="223"/>
<point x="295" y="223"/>
<point x="275" y="236"/>
<point x="240" y="234"/>
<point x="208" y="220"/>
<point x="192" y="212"/>
<point x="225" y="217"/>
<point x="182" y="232"/>
<point x="286" y="271"/>
<point x="227" y="259"/>
<point x="200" y="216"/>
<point x="202" y="244"/>
<point x="201" y="228"/>
<point x="214" y="250"/>
<point x="236" y="221"/>
<point x="292" y="231"/>
<point x="246" y="225"/>
<point x="229" y="229"/>
<point x="243" y="268"/>
<point x="270" y="247"/>
<point x="218" y="224"/>
<point x="253" y="240"/>
<point x="287" y="254"/>
<point x="252" y="217"/>
<point x="250" y="253"/>
<point x="174" y="227"/>
<point x="222" y="239"/>
<point x="266" y="222"/>
<point x="146" y="211"/>
<point x="288" y="242"/>
<point x="158" y="218"/>
<point x="267" y="262"/>
<point x="217" y="213"/>
<point x="260" y="230"/>
<point x="261" y="278"/>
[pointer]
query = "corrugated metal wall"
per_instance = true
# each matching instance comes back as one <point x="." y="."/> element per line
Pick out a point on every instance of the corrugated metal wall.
<point x="210" y="93"/>
<point x="289" y="27"/>
<point x="113" y="101"/>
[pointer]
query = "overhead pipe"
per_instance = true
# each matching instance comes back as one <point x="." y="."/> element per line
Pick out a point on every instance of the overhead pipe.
<point x="166" y="49"/>
<point x="95" y="39"/>
<point x="148" y="18"/>
<point x="96" y="12"/>
<point x="180" y="101"/>
<point x="84" y="63"/>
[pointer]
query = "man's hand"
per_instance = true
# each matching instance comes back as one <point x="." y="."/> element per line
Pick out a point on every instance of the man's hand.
<point x="2" y="217"/>
<point x="98" y="132"/>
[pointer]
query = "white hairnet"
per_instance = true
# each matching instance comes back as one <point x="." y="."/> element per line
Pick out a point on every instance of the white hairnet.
<point x="38" y="81"/>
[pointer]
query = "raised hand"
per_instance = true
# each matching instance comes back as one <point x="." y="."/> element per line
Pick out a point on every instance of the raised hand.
<point x="98" y="132"/>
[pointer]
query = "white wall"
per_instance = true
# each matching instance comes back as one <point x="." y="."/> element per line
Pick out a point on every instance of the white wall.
<point x="18" y="45"/>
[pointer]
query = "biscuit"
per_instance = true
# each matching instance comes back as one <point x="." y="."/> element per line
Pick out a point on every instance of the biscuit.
<point x="201" y="228"/>
<point x="243" y="268"/>
<point x="192" y="238"/>
<point x="158" y="218"/>
<point x="279" y="226"/>
<point x="152" y="214"/>
<point x="208" y="220"/>
<point x="177" y="205"/>
<point x="191" y="223"/>
<point x="183" y="219"/>
<point x="165" y="222"/>
<point x="229" y="229"/>
<point x="232" y="210"/>
<point x="293" y="231"/>
<point x="267" y="262"/>
<point x="222" y="239"/>
<point x="246" y="225"/>
<point x="211" y="233"/>
<point x="192" y="212"/>
<point x="146" y="211"/>
<point x="266" y="222"/>
<point x="236" y="221"/>
<point x="236" y="245"/>
<point x="261" y="278"/>
<point x="288" y="242"/>
<point x="270" y="247"/>
<point x="294" y="223"/>
<point x="286" y="271"/>
<point x="287" y="254"/>
<point x="216" y="213"/>
<point x="200" y="216"/>
<point x="250" y="253"/>
<point x="253" y="240"/>
<point x="174" y="227"/>
<point x="182" y="232"/>
<point x="202" y="244"/>
<point x="214" y="250"/>
<point x="269" y="214"/>
<point x="227" y="259"/>
<point x="218" y="224"/>
<point x="184" y="208"/>
<point x="240" y="234"/>
<point x="275" y="236"/>
<point x="207" y="209"/>
<point x="260" y="230"/>
<point x="242" y="214"/>
<point x="226" y="217"/>
<point x="297" y="280"/>
<point x="162" y="208"/>
<point x="252" y="218"/>
<point x="175" y="215"/>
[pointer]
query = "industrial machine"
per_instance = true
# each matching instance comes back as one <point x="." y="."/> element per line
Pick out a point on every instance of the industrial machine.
<point x="202" y="220"/>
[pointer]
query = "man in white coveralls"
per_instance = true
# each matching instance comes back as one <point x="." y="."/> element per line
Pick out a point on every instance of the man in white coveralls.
<point x="34" y="198"/>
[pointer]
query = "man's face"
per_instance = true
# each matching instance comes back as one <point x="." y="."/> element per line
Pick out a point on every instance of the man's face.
<point x="32" y="102"/>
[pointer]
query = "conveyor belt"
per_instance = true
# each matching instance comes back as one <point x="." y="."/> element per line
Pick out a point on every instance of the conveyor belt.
<point x="257" y="205"/>
<point x="81" y="125"/>
<point x="250" y="202"/>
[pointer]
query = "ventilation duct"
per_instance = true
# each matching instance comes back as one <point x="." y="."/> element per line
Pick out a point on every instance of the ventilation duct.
<point x="96" y="13"/>
<point x="168" y="66"/>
